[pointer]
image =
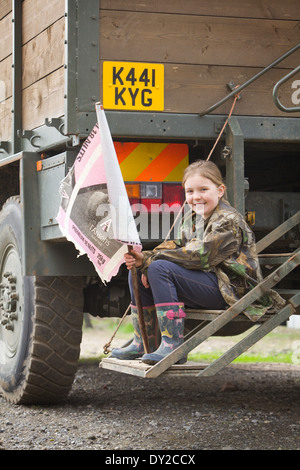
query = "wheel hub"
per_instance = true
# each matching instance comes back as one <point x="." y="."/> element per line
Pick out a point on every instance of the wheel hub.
<point x="11" y="304"/>
<point x="8" y="301"/>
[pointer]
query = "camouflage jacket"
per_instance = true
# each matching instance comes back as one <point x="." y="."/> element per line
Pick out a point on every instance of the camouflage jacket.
<point x="223" y="244"/>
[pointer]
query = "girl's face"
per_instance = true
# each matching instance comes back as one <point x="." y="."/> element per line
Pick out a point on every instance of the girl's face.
<point x="202" y="195"/>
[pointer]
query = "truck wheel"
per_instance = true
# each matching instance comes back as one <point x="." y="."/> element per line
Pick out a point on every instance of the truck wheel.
<point x="40" y="323"/>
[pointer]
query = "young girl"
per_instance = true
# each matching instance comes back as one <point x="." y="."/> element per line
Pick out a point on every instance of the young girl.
<point x="212" y="265"/>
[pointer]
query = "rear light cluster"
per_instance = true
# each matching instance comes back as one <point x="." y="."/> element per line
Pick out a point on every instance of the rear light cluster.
<point x="155" y="197"/>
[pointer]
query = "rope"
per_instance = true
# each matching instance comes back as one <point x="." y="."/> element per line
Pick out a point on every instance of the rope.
<point x="225" y="124"/>
<point x="106" y="349"/>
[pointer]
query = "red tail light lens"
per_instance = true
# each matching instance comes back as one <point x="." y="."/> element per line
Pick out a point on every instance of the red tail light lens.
<point x="173" y="194"/>
<point x="151" y="205"/>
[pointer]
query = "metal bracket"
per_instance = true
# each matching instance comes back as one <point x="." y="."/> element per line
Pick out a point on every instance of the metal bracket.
<point x="29" y="135"/>
<point x="81" y="64"/>
<point x="232" y="86"/>
<point x="235" y="165"/>
<point x="58" y="123"/>
<point x="74" y="141"/>
<point x="16" y="74"/>
<point x="5" y="146"/>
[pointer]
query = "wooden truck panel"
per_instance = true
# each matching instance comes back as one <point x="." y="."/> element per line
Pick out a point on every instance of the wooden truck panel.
<point x="203" y="46"/>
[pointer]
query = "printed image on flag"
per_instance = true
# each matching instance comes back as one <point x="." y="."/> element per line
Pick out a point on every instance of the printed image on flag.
<point x="95" y="212"/>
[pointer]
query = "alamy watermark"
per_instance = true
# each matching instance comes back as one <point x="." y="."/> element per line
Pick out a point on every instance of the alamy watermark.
<point x="160" y="222"/>
<point x="296" y="93"/>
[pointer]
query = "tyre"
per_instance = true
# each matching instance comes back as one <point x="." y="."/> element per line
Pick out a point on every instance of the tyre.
<point x="40" y="323"/>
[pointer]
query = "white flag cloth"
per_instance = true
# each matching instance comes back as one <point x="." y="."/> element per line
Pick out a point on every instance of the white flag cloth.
<point x="95" y="212"/>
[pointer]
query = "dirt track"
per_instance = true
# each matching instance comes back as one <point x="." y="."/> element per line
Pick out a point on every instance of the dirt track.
<point x="236" y="409"/>
<point x="243" y="407"/>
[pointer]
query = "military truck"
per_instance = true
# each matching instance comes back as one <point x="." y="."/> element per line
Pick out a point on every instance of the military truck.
<point x="168" y="74"/>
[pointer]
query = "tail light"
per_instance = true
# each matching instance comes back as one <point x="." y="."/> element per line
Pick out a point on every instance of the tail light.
<point x="173" y="195"/>
<point x="152" y="197"/>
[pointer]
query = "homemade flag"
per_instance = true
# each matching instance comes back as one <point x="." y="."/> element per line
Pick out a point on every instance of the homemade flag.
<point x="95" y="212"/>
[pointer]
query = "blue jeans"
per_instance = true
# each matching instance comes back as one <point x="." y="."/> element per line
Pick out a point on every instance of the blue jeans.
<point x="171" y="283"/>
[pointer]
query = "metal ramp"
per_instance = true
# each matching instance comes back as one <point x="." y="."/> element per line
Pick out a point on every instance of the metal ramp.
<point x="211" y="322"/>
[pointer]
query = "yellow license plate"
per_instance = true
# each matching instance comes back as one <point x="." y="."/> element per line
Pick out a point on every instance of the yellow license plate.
<point x="133" y="86"/>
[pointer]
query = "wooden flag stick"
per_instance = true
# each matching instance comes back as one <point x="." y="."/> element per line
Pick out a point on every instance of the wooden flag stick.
<point x="139" y="305"/>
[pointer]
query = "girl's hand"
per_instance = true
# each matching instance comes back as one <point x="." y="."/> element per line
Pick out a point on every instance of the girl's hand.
<point x="145" y="282"/>
<point x="134" y="258"/>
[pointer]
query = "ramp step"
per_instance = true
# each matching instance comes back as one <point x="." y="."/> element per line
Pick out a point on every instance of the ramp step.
<point x="138" y="368"/>
<point x="190" y="369"/>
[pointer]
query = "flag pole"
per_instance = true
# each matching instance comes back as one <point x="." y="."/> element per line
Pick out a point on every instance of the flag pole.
<point x="139" y="305"/>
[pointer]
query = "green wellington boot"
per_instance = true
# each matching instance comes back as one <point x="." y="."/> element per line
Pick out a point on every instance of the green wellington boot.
<point x="171" y="323"/>
<point x="136" y="347"/>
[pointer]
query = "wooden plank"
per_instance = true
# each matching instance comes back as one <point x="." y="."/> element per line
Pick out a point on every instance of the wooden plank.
<point x="44" y="53"/>
<point x="187" y="39"/>
<point x="191" y="88"/>
<point x="5" y="120"/>
<point x="5" y="69"/>
<point x="189" y="368"/>
<point x="126" y="367"/>
<point x="5" y="7"/>
<point x="44" y="98"/>
<point x="5" y="78"/>
<point x="39" y="15"/>
<point x="272" y="9"/>
<point x="6" y="36"/>
<point x="138" y="368"/>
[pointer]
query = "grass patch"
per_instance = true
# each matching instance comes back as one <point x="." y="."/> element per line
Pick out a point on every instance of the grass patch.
<point x="244" y="358"/>
<point x="110" y="324"/>
<point x="91" y="360"/>
<point x="210" y="357"/>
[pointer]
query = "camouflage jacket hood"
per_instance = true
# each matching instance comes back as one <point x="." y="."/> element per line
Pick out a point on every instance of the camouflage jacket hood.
<point x="223" y="244"/>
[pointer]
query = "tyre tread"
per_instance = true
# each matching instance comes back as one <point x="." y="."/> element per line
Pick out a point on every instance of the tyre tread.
<point x="52" y="359"/>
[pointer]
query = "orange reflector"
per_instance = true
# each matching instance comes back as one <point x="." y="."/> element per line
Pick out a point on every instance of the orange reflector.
<point x="133" y="190"/>
<point x="39" y="165"/>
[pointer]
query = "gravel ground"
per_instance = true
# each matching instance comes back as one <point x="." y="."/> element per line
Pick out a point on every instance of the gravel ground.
<point x="241" y="408"/>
